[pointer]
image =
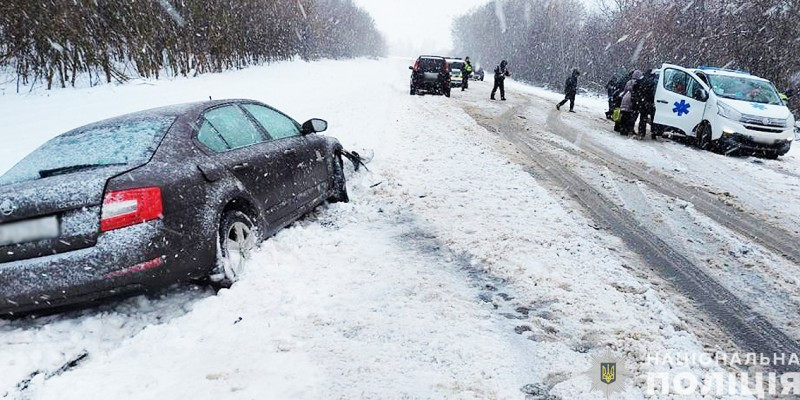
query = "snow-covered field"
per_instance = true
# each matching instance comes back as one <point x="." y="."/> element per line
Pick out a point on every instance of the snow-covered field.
<point x="452" y="273"/>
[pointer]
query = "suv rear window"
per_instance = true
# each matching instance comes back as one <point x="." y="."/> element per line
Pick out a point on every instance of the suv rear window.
<point x="431" y="64"/>
<point x="117" y="143"/>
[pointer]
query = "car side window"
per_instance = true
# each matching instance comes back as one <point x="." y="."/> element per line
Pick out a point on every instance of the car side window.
<point x="276" y="124"/>
<point x="676" y="81"/>
<point x="234" y="126"/>
<point x="209" y="136"/>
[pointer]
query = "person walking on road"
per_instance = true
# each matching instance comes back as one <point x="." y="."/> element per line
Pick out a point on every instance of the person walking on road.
<point x="570" y="89"/>
<point x="466" y="73"/>
<point x="500" y="73"/>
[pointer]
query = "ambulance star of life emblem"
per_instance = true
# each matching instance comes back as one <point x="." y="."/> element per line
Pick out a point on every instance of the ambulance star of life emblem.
<point x="607" y="374"/>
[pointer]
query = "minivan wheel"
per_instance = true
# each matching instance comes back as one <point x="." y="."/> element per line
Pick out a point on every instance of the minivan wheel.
<point x="703" y="139"/>
<point x="339" y="186"/>
<point x="237" y="241"/>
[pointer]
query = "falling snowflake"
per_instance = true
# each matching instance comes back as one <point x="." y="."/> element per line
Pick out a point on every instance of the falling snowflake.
<point x="681" y="108"/>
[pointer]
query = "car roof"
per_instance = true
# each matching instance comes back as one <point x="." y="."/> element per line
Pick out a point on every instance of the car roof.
<point x="436" y="57"/>
<point x="174" y="110"/>
<point x="727" y="72"/>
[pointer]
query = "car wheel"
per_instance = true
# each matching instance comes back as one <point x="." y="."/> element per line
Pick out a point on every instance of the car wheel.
<point x="237" y="240"/>
<point x="413" y="91"/>
<point x="703" y="137"/>
<point x="447" y="91"/>
<point x="339" y="185"/>
<point x="771" y="155"/>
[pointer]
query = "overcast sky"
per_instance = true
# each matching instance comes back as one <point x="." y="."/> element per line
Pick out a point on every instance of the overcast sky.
<point x="413" y="27"/>
<point x="417" y="26"/>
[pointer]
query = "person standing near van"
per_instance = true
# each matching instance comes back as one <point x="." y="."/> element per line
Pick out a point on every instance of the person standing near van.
<point x="644" y="102"/>
<point x="629" y="112"/>
<point x="570" y="90"/>
<point x="500" y="74"/>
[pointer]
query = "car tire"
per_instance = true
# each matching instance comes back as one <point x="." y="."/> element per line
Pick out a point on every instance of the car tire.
<point x="703" y="137"/>
<point x="237" y="239"/>
<point x="413" y="90"/>
<point x="339" y="184"/>
<point x="447" y="91"/>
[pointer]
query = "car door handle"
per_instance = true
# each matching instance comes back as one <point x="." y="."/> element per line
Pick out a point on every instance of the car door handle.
<point x="663" y="101"/>
<point x="289" y="152"/>
<point x="239" y="167"/>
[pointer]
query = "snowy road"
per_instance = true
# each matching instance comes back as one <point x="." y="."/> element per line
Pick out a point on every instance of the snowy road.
<point x="461" y="268"/>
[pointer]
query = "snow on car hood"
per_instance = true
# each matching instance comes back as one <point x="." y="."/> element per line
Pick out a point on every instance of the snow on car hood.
<point x="758" y="109"/>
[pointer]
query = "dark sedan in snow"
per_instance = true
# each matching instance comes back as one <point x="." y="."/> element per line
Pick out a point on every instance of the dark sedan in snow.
<point x="144" y="200"/>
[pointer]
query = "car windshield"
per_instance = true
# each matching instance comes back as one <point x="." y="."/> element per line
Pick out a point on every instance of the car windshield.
<point x="117" y="143"/>
<point x="744" y="89"/>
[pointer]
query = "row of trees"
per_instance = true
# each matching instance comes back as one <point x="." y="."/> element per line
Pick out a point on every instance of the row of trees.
<point x="544" y="40"/>
<point x="55" y="41"/>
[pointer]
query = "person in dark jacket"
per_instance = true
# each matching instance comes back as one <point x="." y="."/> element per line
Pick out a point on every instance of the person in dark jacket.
<point x="644" y="102"/>
<point x="570" y="89"/>
<point x="500" y="73"/>
<point x="611" y="89"/>
<point x="629" y="111"/>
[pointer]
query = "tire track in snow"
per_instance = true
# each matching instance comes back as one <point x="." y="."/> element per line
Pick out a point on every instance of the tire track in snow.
<point x="748" y="329"/>
<point x="774" y="238"/>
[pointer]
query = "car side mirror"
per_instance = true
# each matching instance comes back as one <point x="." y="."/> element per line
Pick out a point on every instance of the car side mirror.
<point x="410" y="67"/>
<point x="314" y="125"/>
<point x="701" y="95"/>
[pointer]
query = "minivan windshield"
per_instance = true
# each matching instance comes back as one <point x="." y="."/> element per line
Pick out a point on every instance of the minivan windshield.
<point x="116" y="143"/>
<point x="744" y="89"/>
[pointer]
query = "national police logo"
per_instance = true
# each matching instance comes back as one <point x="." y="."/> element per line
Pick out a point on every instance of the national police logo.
<point x="608" y="374"/>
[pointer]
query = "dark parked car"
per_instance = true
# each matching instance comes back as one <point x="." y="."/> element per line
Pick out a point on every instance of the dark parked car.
<point x="478" y="74"/>
<point x="430" y="74"/>
<point x="144" y="200"/>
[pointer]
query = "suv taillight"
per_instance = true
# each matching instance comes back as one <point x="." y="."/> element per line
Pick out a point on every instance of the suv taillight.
<point x="446" y="67"/>
<point x="130" y="207"/>
<point x="416" y="66"/>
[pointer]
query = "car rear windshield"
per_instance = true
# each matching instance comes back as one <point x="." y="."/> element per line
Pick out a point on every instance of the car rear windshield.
<point x="129" y="142"/>
<point x="744" y="89"/>
<point x="431" y="64"/>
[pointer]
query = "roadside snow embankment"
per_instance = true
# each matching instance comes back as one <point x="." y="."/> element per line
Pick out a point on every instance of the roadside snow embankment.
<point x="451" y="274"/>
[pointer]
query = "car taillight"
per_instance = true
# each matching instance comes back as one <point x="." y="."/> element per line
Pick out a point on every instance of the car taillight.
<point x="446" y="67"/>
<point x="416" y="66"/>
<point x="130" y="207"/>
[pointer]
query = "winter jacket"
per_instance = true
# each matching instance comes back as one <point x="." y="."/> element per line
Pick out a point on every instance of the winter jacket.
<point x="467" y="68"/>
<point x="501" y="72"/>
<point x="571" y="85"/>
<point x="628" y="96"/>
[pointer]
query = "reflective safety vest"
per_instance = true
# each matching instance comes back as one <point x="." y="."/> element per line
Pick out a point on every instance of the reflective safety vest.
<point x="468" y="68"/>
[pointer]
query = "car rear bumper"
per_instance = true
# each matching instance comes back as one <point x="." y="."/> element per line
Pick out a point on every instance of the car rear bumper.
<point x="121" y="261"/>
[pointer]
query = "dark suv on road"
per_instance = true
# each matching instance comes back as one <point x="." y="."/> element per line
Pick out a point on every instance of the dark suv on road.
<point x="430" y="74"/>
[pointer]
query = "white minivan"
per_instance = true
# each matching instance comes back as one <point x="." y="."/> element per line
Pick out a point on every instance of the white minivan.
<point x="724" y="109"/>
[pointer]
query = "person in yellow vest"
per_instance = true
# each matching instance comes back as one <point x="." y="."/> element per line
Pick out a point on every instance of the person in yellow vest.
<point x="466" y="73"/>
